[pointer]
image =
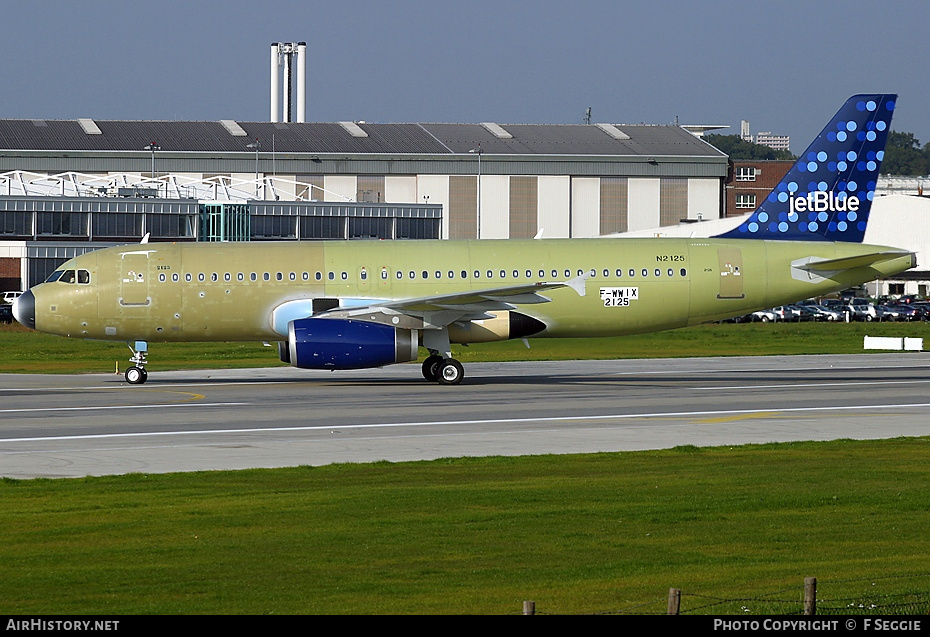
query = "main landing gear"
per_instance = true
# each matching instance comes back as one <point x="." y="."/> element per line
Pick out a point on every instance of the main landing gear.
<point x="136" y="375"/>
<point x="439" y="365"/>
<point x="447" y="371"/>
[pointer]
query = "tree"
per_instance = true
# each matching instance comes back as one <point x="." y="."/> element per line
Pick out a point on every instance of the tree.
<point x="737" y="148"/>
<point x="903" y="155"/>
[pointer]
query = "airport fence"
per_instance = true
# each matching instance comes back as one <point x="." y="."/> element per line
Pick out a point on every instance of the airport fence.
<point x="889" y="595"/>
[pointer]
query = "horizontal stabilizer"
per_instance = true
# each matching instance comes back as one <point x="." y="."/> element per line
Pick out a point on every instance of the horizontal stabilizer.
<point x="812" y="264"/>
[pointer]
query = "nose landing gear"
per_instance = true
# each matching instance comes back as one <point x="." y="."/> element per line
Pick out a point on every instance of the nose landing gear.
<point x="136" y="375"/>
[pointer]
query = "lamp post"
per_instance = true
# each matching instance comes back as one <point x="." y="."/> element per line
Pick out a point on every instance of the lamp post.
<point x="478" y="151"/>
<point x="153" y="147"/>
<point x="256" y="145"/>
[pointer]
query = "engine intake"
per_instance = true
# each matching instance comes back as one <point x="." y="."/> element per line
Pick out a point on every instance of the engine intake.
<point x="315" y="343"/>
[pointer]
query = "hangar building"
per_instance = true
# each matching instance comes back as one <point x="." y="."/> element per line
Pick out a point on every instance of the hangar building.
<point x="65" y="184"/>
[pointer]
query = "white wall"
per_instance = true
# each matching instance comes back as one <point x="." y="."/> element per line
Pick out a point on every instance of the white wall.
<point x="495" y="207"/>
<point x="401" y="189"/>
<point x="436" y="187"/>
<point x="345" y="185"/>
<point x="642" y="203"/>
<point x="553" y="206"/>
<point x="586" y="207"/>
<point x="703" y="199"/>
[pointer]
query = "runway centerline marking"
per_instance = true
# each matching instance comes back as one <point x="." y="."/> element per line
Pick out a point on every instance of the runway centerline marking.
<point x="437" y="423"/>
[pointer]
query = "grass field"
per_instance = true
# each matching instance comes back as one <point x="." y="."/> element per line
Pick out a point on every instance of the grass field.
<point x="576" y="534"/>
<point x="23" y="350"/>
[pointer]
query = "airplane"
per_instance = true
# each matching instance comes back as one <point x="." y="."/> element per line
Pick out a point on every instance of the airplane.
<point x="336" y="305"/>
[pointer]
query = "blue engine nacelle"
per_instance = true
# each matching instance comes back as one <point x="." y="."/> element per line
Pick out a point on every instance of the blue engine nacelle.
<point x="316" y="343"/>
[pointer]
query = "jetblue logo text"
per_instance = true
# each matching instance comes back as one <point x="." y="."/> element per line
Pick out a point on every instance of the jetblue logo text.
<point x="824" y="202"/>
<point x="618" y="297"/>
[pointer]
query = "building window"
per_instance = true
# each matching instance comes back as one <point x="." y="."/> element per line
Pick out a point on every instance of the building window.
<point x="745" y="173"/>
<point x="746" y="201"/>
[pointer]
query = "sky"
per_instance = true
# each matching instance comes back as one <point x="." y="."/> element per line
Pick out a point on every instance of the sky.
<point x="784" y="65"/>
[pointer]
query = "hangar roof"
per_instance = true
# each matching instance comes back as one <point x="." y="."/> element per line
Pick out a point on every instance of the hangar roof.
<point x="355" y="138"/>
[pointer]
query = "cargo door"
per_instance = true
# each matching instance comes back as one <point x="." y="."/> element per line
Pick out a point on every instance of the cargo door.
<point x="730" y="262"/>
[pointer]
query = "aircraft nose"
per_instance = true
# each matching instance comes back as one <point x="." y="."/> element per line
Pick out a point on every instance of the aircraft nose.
<point x="24" y="309"/>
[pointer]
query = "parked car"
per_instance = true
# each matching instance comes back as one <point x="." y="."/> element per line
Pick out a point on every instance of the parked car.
<point x="9" y="297"/>
<point x="787" y="313"/>
<point x="807" y="313"/>
<point x="897" y="312"/>
<point x="764" y="316"/>
<point x="923" y="310"/>
<point x="824" y="313"/>
<point x="863" y="310"/>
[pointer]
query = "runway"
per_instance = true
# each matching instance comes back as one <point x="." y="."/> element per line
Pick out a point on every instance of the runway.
<point x="71" y="426"/>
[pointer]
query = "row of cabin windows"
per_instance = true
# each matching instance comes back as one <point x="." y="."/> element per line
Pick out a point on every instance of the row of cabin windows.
<point x="424" y="274"/>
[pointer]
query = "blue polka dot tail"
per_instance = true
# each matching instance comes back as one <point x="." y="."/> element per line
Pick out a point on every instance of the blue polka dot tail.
<point x="827" y="194"/>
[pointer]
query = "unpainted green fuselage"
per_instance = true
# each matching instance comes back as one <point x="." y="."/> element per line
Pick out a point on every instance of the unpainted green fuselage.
<point x="228" y="291"/>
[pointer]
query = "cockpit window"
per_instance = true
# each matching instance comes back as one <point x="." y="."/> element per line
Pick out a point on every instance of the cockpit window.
<point x="54" y="276"/>
<point x="83" y="277"/>
<point x="67" y="276"/>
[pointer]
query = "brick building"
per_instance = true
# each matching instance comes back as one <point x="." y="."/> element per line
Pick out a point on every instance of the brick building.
<point x="749" y="181"/>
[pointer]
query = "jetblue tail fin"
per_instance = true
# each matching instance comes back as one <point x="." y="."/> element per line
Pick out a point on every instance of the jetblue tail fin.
<point x="827" y="194"/>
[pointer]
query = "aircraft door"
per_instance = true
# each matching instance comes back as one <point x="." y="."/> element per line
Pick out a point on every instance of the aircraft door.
<point x="134" y="286"/>
<point x="730" y="262"/>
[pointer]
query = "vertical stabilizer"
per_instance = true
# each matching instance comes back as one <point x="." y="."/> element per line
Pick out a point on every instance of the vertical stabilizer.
<point x="827" y="194"/>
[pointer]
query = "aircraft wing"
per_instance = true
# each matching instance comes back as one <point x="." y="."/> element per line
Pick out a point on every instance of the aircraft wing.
<point x="435" y="312"/>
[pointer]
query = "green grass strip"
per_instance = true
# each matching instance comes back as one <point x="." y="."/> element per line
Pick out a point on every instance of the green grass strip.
<point x="23" y="350"/>
<point x="576" y="534"/>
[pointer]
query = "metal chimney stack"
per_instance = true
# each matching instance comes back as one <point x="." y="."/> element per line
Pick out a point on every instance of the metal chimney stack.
<point x="289" y="55"/>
